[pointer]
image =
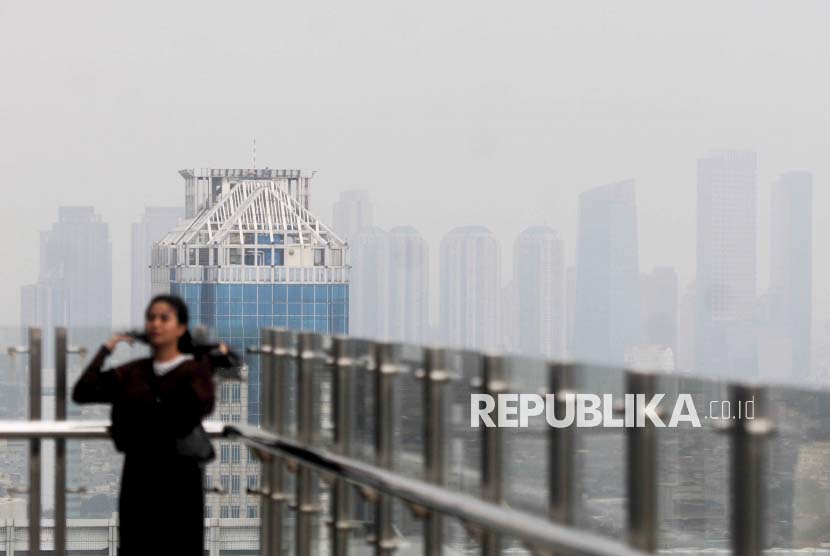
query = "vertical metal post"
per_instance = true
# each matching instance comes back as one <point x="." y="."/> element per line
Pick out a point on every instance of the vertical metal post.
<point x="641" y="467"/>
<point x="309" y="351"/>
<point x="384" y="443"/>
<point x="61" y="354"/>
<point x="561" y="447"/>
<point x="343" y="364"/>
<point x="748" y="447"/>
<point x="35" y="362"/>
<point x="434" y="408"/>
<point x="267" y="397"/>
<point x="492" y="444"/>
<point x="282" y="349"/>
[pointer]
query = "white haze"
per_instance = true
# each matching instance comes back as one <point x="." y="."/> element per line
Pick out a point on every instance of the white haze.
<point x="449" y="113"/>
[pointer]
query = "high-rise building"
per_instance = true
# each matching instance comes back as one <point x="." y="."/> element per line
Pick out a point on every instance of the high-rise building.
<point x="658" y="291"/>
<point x="607" y="313"/>
<point x="726" y="264"/>
<point x="352" y="213"/>
<point x="538" y="275"/>
<point x="369" y="283"/>
<point x="248" y="256"/>
<point x="253" y="256"/>
<point x="352" y="216"/>
<point x="74" y="286"/>
<point x="76" y="257"/>
<point x="470" y="288"/>
<point x="408" y="297"/>
<point x="154" y="225"/>
<point x="791" y="266"/>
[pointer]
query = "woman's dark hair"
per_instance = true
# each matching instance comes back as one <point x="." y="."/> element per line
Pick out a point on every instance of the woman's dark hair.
<point x="182" y="315"/>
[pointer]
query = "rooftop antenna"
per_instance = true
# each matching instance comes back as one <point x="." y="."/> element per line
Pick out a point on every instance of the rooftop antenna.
<point x="254" y="154"/>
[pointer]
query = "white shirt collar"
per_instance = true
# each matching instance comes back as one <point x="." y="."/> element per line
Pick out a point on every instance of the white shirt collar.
<point x="162" y="369"/>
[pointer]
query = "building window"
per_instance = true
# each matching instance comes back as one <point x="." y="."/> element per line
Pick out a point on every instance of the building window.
<point x="251" y="456"/>
<point x="252" y="482"/>
<point x="235" y="484"/>
<point x="223" y="482"/>
<point x="208" y="512"/>
<point x="235" y="450"/>
<point x="235" y="418"/>
<point x="224" y="394"/>
<point x="236" y="392"/>
<point x="235" y="512"/>
<point x="225" y="418"/>
<point x="223" y="453"/>
<point x="223" y="512"/>
<point x="252" y="512"/>
<point x="208" y="482"/>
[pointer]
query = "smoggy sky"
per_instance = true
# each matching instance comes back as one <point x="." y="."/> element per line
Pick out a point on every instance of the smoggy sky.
<point x="449" y="113"/>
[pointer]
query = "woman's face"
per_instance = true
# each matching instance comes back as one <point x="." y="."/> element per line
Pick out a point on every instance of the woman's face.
<point x="162" y="325"/>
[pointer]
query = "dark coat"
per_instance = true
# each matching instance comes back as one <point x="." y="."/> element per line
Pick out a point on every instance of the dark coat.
<point x="161" y="506"/>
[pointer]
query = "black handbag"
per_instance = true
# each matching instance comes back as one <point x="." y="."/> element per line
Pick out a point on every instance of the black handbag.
<point x="196" y="445"/>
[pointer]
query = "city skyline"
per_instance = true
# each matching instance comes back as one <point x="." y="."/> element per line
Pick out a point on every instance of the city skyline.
<point x="361" y="202"/>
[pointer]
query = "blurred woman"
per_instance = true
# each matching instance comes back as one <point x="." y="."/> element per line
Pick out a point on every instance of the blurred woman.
<point x="156" y="403"/>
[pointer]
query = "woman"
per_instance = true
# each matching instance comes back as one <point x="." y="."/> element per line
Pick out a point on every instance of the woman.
<point x="156" y="401"/>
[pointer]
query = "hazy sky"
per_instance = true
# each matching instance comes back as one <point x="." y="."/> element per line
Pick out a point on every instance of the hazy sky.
<point x="450" y="113"/>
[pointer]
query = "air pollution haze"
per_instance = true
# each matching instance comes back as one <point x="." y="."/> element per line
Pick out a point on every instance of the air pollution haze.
<point x="467" y="113"/>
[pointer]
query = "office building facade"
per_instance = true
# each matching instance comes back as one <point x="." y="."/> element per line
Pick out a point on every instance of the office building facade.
<point x="74" y="286"/>
<point x="726" y="264"/>
<point x="369" y="254"/>
<point x="539" y="289"/>
<point x="470" y="288"/>
<point x="607" y="312"/>
<point x="408" y="297"/>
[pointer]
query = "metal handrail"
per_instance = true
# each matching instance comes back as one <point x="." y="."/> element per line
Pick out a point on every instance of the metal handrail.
<point x="538" y="532"/>
<point x="75" y="430"/>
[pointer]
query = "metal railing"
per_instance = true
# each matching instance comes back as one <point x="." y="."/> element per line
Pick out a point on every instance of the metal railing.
<point x="310" y="354"/>
<point x="311" y="357"/>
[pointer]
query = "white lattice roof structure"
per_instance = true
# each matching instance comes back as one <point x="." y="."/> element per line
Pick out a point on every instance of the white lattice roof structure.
<point x="249" y="227"/>
<point x="261" y="207"/>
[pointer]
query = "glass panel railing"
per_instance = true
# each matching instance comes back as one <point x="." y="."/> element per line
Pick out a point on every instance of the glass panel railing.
<point x="525" y="477"/>
<point x="599" y="503"/>
<point x="693" y="469"/>
<point x="798" y="469"/>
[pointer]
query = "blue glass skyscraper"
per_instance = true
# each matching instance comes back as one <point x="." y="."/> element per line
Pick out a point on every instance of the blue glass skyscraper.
<point x="250" y="255"/>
